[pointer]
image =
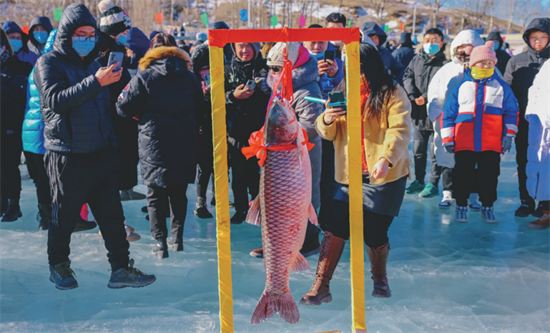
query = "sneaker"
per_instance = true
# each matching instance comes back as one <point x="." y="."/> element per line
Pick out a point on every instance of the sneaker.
<point x="239" y="217"/>
<point x="83" y="225"/>
<point x="488" y="215"/>
<point x="542" y="223"/>
<point x="130" y="277"/>
<point x="127" y="195"/>
<point x="12" y="213"/>
<point x="473" y="201"/>
<point x="257" y="253"/>
<point x="161" y="249"/>
<point x="447" y="200"/>
<point x="63" y="276"/>
<point x="415" y="187"/>
<point x="176" y="244"/>
<point x="538" y="212"/>
<point x="461" y="214"/>
<point x="527" y="208"/>
<point x="429" y="191"/>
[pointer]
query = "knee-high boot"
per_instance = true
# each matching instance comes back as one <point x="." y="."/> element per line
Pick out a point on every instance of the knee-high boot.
<point x="378" y="258"/>
<point x="331" y="251"/>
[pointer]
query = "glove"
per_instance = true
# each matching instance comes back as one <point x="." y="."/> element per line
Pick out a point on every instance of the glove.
<point x="506" y="144"/>
<point x="450" y="149"/>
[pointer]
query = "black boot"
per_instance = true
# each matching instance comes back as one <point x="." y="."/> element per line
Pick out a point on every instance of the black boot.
<point x="200" y="209"/>
<point x="44" y="216"/>
<point x="3" y="205"/>
<point x="527" y="208"/>
<point x="161" y="248"/>
<point x="239" y="217"/>
<point x="13" y="212"/>
<point x="311" y="245"/>
<point x="176" y="244"/>
<point x="83" y="225"/>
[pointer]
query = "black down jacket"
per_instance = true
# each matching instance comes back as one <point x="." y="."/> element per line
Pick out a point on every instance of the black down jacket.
<point x="13" y="81"/>
<point x="522" y="69"/>
<point x="418" y="76"/>
<point x="75" y="107"/>
<point x="165" y="95"/>
<point x="33" y="43"/>
<point x="502" y="56"/>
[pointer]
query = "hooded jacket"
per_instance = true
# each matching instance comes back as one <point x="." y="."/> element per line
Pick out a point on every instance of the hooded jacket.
<point x="245" y="116"/>
<point x="391" y="64"/>
<point x="13" y="90"/>
<point x="305" y="82"/>
<point x="502" y="56"/>
<point x="440" y="87"/>
<point x="405" y="53"/>
<point x="33" y="43"/>
<point x="522" y="69"/>
<point x="139" y="44"/>
<point x="165" y="95"/>
<point x="33" y="125"/>
<point x="538" y="152"/>
<point x="417" y="77"/>
<point x="75" y="107"/>
<point x="24" y="54"/>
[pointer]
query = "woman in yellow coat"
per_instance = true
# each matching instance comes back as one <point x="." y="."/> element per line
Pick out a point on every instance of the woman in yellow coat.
<point x="385" y="110"/>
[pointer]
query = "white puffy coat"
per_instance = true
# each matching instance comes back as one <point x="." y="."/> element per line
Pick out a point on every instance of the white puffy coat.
<point x="538" y="152"/>
<point x="443" y="82"/>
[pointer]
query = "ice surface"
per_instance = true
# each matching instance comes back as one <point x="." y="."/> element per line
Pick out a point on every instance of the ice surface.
<point x="444" y="276"/>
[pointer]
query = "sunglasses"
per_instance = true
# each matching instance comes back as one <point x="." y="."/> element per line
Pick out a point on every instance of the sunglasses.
<point x="276" y="69"/>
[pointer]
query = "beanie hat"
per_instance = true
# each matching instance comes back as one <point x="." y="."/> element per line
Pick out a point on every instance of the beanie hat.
<point x="202" y="36"/>
<point x="484" y="52"/>
<point x="275" y="56"/>
<point x="220" y="25"/>
<point x="113" y="19"/>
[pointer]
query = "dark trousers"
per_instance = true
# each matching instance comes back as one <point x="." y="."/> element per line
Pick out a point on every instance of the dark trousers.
<point x="464" y="175"/>
<point x="41" y="180"/>
<point x="31" y="166"/>
<point x="375" y="226"/>
<point x="76" y="179"/>
<point x="127" y="138"/>
<point x="205" y="166"/>
<point x="521" y="159"/>
<point x="158" y="198"/>
<point x="9" y="164"/>
<point x="328" y="183"/>
<point x="545" y="205"/>
<point x="447" y="178"/>
<point x="245" y="177"/>
<point x="424" y="140"/>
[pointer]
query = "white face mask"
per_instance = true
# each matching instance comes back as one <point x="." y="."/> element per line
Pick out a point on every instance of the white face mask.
<point x="272" y="78"/>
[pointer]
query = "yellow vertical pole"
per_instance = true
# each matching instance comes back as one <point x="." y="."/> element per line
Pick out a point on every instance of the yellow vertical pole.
<point x="222" y="189"/>
<point x="355" y="188"/>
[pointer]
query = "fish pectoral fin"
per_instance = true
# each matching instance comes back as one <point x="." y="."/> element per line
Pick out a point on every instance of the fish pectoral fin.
<point x="312" y="215"/>
<point x="254" y="215"/>
<point x="300" y="263"/>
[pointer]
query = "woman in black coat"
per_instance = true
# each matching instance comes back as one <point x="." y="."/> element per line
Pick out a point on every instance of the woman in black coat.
<point x="164" y="96"/>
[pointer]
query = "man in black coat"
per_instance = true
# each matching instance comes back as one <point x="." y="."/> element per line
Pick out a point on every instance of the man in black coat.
<point x="502" y="56"/>
<point x="520" y="73"/>
<point x="39" y="30"/>
<point x="405" y="49"/>
<point x="417" y="77"/>
<point x="246" y="109"/>
<point x="81" y="155"/>
<point x="13" y="80"/>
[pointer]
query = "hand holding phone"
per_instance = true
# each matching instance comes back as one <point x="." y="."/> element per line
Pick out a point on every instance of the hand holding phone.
<point x="207" y="79"/>
<point x="115" y="57"/>
<point x="251" y="85"/>
<point x="337" y="100"/>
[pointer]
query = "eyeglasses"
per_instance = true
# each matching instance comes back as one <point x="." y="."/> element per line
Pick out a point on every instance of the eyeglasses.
<point x="92" y="39"/>
<point x="275" y="69"/>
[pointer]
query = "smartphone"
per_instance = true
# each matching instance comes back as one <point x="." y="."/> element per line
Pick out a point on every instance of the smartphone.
<point x="337" y="100"/>
<point x="330" y="54"/>
<point x="250" y="85"/>
<point x="207" y="79"/>
<point x="115" y="57"/>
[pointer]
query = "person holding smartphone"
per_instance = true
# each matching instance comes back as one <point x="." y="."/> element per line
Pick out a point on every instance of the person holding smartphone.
<point x="246" y="103"/>
<point x="386" y="132"/>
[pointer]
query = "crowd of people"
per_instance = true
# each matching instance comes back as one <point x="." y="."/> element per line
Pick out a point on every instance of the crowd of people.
<point x="85" y="124"/>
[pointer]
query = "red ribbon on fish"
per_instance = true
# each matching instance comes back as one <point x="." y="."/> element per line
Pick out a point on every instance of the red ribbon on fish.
<point x="259" y="149"/>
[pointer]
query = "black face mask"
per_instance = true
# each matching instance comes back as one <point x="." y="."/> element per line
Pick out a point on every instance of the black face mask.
<point x="463" y="57"/>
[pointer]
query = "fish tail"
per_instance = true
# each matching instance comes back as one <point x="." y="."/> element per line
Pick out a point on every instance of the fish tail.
<point x="270" y="304"/>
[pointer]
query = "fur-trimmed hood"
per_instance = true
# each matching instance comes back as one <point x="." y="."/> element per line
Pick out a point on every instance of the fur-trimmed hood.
<point x="166" y="60"/>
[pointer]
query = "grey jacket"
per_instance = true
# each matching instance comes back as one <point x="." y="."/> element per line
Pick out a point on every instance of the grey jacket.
<point x="305" y="82"/>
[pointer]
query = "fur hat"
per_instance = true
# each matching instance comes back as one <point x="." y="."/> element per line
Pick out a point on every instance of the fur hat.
<point x="113" y="19"/>
<point x="275" y="56"/>
<point x="484" y="52"/>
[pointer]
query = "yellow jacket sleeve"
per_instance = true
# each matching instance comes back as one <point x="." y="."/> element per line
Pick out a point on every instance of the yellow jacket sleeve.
<point x="398" y="134"/>
<point x="327" y="132"/>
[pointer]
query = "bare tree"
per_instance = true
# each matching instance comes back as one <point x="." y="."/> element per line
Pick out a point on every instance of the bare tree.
<point x="435" y="6"/>
<point x="379" y="7"/>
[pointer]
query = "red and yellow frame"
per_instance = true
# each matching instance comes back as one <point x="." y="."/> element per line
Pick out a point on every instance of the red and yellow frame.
<point x="217" y="39"/>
